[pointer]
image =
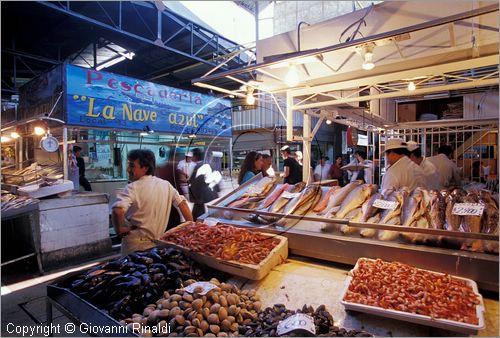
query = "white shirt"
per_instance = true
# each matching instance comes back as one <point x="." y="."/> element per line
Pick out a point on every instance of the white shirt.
<point x="403" y="173"/>
<point x="368" y="172"/>
<point x="446" y="169"/>
<point x="186" y="167"/>
<point x="322" y="171"/>
<point x="430" y="173"/>
<point x="147" y="203"/>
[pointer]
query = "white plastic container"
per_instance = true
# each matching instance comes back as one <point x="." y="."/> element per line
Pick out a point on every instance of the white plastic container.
<point x="417" y="318"/>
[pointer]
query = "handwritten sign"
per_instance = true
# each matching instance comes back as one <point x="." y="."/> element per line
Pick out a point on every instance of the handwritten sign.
<point x="201" y="288"/>
<point x="387" y="205"/>
<point x="287" y="194"/>
<point x="296" y="322"/>
<point x="468" y="209"/>
<point x="211" y="221"/>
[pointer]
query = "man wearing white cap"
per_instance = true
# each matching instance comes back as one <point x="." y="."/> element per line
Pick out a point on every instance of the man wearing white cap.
<point x="402" y="171"/>
<point x="429" y="169"/>
<point x="187" y="165"/>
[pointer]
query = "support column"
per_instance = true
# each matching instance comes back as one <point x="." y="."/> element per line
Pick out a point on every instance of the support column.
<point x="306" y="148"/>
<point x="230" y="156"/>
<point x="65" y="153"/>
<point x="20" y="153"/>
<point x="289" y="116"/>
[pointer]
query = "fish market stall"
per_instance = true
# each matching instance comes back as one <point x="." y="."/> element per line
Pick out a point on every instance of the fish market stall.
<point x="163" y="292"/>
<point x="418" y="227"/>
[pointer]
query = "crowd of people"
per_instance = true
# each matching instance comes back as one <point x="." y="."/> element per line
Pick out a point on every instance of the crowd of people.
<point x="157" y="198"/>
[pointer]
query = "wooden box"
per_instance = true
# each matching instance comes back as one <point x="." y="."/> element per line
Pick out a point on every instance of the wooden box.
<point x="255" y="272"/>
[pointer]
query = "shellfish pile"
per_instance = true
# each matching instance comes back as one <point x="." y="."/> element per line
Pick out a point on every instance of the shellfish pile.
<point x="125" y="286"/>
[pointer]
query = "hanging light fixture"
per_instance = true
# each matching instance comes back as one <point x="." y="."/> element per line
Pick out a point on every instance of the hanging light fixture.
<point x="328" y="121"/>
<point x="411" y="86"/>
<point x="15" y="133"/>
<point x="367" y="53"/>
<point x="250" y="99"/>
<point x="4" y="139"/>
<point x="292" y="77"/>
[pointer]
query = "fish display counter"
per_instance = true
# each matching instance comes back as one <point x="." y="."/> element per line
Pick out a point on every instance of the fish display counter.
<point x="453" y="231"/>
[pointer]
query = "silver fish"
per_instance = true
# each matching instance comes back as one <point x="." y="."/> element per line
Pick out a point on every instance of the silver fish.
<point x="339" y="195"/>
<point x="355" y="199"/>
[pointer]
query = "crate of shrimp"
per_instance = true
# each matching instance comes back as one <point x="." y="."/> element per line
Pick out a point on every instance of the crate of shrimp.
<point x="400" y="291"/>
<point x="234" y="250"/>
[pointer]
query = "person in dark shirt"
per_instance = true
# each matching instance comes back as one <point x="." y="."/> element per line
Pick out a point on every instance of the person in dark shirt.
<point x="292" y="169"/>
<point x="179" y="180"/>
<point x="203" y="184"/>
<point x="81" y="168"/>
<point x="336" y="172"/>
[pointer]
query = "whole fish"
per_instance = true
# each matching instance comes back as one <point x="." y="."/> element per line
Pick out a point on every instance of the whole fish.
<point x="370" y="232"/>
<point x="413" y="208"/>
<point x="306" y="196"/>
<point x="396" y="196"/>
<point x="261" y="188"/>
<point x="471" y="223"/>
<point x="303" y="206"/>
<point x="280" y="202"/>
<point x="368" y="210"/>
<point x="323" y="203"/>
<point x="389" y="235"/>
<point x="417" y="238"/>
<point x="278" y="190"/>
<point x="353" y="216"/>
<point x="240" y="203"/>
<point x="437" y="211"/>
<point x="489" y="219"/>
<point x="339" y="195"/>
<point x="355" y="199"/>
<point x="452" y="221"/>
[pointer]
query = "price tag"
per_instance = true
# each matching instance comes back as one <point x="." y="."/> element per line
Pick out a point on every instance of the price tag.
<point x="298" y="321"/>
<point x="200" y="287"/>
<point x="468" y="209"/>
<point x="211" y="221"/>
<point x="381" y="204"/>
<point x="287" y="194"/>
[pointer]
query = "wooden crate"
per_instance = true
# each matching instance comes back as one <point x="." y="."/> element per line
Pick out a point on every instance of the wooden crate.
<point x="251" y="271"/>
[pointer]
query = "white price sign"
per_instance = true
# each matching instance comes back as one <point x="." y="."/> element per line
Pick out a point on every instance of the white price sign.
<point x="298" y="321"/>
<point x="211" y="221"/>
<point x="468" y="209"/>
<point x="201" y="288"/>
<point x="287" y="194"/>
<point x="381" y="204"/>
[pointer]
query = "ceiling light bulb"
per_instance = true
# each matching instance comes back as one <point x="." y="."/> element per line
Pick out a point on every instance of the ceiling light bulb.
<point x="250" y="98"/>
<point x="39" y="131"/>
<point x="4" y="139"/>
<point x="292" y="77"/>
<point x="328" y="121"/>
<point x="14" y="134"/>
<point x="367" y="53"/>
<point x="411" y="86"/>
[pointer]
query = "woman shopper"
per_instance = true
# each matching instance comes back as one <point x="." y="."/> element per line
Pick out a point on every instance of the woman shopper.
<point x="251" y="166"/>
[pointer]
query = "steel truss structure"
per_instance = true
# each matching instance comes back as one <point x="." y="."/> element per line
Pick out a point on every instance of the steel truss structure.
<point x="147" y="21"/>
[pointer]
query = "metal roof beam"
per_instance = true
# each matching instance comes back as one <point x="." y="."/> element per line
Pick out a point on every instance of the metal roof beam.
<point x="353" y="43"/>
<point x="64" y="7"/>
<point x="475" y="83"/>
<point x="396" y="76"/>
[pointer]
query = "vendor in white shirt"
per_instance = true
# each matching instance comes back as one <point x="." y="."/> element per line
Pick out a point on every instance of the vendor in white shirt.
<point x="365" y="175"/>
<point x="187" y="165"/>
<point x="447" y="170"/>
<point x="402" y="172"/>
<point x="430" y="172"/>
<point x="141" y="212"/>
<point x="322" y="170"/>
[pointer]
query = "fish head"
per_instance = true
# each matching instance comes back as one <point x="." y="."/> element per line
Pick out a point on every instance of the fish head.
<point x="387" y="192"/>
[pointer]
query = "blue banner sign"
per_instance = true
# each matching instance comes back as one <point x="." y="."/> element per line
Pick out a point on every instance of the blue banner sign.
<point x="106" y="100"/>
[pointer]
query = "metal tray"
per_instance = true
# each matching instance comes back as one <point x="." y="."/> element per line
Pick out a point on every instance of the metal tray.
<point x="79" y="311"/>
<point x="417" y="318"/>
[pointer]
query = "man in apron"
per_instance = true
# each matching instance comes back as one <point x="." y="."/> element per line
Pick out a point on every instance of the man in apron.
<point x="141" y="212"/>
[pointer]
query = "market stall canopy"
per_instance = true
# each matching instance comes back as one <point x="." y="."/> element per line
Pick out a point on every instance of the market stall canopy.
<point x="152" y="42"/>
